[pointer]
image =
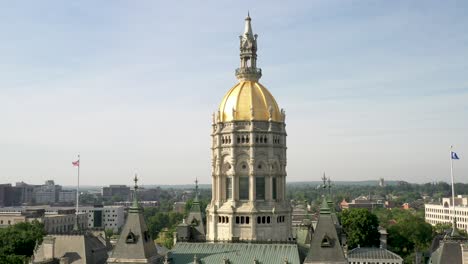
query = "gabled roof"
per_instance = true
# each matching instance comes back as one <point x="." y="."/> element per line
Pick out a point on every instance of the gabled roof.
<point x="325" y="246"/>
<point x="234" y="253"/>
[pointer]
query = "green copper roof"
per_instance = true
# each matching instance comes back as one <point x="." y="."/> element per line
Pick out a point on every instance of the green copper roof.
<point x="324" y="209"/>
<point x="235" y="253"/>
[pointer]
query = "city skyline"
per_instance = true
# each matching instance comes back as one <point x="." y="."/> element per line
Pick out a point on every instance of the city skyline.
<point x="371" y="90"/>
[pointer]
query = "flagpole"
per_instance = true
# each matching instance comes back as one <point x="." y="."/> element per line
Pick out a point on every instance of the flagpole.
<point x="454" y="221"/>
<point x="77" y="195"/>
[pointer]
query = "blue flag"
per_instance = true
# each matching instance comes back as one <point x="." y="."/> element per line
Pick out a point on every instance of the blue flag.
<point x="454" y="155"/>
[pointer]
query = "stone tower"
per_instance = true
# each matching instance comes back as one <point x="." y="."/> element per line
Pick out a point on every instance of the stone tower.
<point x="248" y="159"/>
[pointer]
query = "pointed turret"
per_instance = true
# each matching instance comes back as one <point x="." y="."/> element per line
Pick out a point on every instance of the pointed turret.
<point x="135" y="244"/>
<point x="325" y="246"/>
<point x="195" y="219"/>
<point x="248" y="27"/>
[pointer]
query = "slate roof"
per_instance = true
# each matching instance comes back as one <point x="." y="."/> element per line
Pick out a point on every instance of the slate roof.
<point x="135" y="244"/>
<point x="236" y="253"/>
<point x="325" y="246"/>
<point x="449" y="251"/>
<point x="372" y="253"/>
<point x="78" y="248"/>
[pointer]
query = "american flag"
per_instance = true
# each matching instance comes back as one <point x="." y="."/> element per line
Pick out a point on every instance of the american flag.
<point x="76" y="163"/>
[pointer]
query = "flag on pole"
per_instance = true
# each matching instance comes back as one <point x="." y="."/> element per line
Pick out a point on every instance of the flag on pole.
<point x="455" y="156"/>
<point x="76" y="163"/>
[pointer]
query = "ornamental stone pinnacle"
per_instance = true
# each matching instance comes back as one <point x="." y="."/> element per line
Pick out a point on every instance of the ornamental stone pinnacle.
<point x="248" y="70"/>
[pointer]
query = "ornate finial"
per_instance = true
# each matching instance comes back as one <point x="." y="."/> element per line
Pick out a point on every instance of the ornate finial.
<point x="233" y="113"/>
<point x="196" y="190"/>
<point x="135" y="205"/>
<point x="136" y="181"/>
<point x="270" y="113"/>
<point x="324" y="179"/>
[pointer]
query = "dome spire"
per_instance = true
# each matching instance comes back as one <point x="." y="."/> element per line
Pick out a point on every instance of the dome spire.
<point x="248" y="70"/>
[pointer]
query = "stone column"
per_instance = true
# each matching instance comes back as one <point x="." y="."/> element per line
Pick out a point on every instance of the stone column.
<point x="268" y="188"/>
<point x="252" y="187"/>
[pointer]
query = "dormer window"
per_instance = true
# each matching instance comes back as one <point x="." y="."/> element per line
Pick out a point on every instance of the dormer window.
<point x="131" y="238"/>
<point x="326" y="241"/>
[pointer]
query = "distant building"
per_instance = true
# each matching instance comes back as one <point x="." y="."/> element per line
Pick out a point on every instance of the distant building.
<point x="148" y="194"/>
<point x="145" y="204"/>
<point x="120" y="191"/>
<point x="104" y="217"/>
<point x="67" y="196"/>
<point x="443" y="213"/>
<point x="47" y="193"/>
<point x="6" y="195"/>
<point x="97" y="217"/>
<point x="60" y="222"/>
<point x="25" y="192"/>
<point x="381" y="182"/>
<point x="367" y="202"/>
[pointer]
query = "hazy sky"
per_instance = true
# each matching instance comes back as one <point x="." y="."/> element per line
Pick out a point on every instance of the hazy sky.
<point x="371" y="88"/>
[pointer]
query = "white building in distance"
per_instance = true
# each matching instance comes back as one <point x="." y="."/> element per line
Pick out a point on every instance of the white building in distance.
<point x="443" y="213"/>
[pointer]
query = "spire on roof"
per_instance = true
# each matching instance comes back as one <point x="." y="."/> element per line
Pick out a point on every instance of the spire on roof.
<point x="196" y="190"/>
<point x="324" y="208"/>
<point x="135" y="206"/>
<point x="248" y="27"/>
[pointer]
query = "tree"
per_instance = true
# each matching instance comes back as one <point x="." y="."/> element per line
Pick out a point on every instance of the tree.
<point x="410" y="233"/>
<point x="17" y="242"/>
<point x="361" y="228"/>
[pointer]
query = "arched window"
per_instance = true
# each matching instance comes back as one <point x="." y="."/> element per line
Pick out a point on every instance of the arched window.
<point x="263" y="219"/>
<point x="242" y="219"/>
<point x="260" y="188"/>
<point x="268" y="219"/>
<point x="259" y="220"/>
<point x="247" y="220"/>
<point x="243" y="188"/>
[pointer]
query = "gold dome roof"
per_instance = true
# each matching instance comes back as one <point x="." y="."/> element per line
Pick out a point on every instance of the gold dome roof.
<point x="249" y="100"/>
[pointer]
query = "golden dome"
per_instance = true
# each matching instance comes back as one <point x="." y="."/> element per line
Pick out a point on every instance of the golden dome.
<point x="249" y="100"/>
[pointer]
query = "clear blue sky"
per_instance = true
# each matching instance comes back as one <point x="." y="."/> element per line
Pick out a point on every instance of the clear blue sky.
<point x="371" y="88"/>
